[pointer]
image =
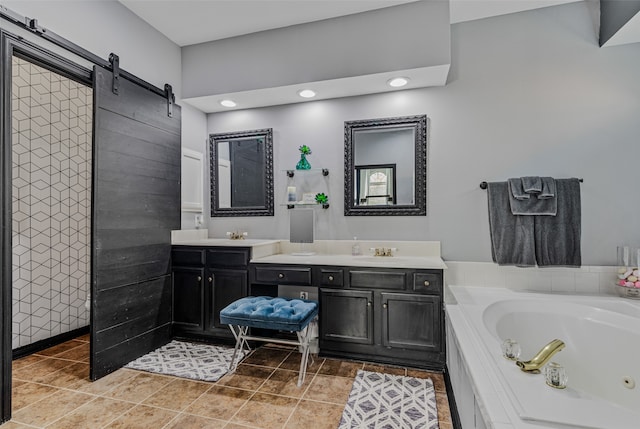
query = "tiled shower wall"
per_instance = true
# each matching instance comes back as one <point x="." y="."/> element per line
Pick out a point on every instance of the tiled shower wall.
<point x="591" y="280"/>
<point x="51" y="185"/>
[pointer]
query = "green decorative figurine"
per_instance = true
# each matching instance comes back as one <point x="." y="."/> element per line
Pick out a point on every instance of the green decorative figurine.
<point x="303" y="164"/>
<point x="321" y="198"/>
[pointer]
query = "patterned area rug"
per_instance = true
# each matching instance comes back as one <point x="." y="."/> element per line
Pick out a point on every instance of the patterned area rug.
<point x="187" y="360"/>
<point x="390" y="401"/>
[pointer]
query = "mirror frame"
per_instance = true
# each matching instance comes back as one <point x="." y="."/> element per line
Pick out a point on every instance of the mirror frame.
<point x="419" y="208"/>
<point x="267" y="209"/>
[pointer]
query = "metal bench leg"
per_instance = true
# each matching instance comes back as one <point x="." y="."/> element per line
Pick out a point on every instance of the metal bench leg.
<point x="303" y="338"/>
<point x="240" y="343"/>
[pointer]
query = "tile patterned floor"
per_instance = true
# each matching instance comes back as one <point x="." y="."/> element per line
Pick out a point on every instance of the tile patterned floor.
<point x="51" y="390"/>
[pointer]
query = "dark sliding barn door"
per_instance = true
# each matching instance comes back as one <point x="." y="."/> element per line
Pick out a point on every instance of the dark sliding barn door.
<point x="136" y="202"/>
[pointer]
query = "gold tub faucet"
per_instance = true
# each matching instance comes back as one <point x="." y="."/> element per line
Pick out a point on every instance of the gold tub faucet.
<point x="542" y="357"/>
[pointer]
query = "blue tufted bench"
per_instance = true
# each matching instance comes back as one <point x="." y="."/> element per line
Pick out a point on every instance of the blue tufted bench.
<point x="265" y="312"/>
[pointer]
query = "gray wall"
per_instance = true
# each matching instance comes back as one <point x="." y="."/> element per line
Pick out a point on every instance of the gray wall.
<point x="529" y="93"/>
<point x="614" y="14"/>
<point x="103" y="27"/>
<point x="194" y="137"/>
<point x="402" y="37"/>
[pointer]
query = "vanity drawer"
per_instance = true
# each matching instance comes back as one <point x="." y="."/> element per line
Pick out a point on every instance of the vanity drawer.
<point x="227" y="258"/>
<point x="427" y="282"/>
<point x="283" y="275"/>
<point x="187" y="256"/>
<point x="374" y="279"/>
<point x="331" y="277"/>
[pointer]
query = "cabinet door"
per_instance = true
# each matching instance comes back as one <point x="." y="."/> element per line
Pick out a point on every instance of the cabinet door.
<point x="346" y="316"/>
<point x="225" y="286"/>
<point x="411" y="321"/>
<point x="188" y="297"/>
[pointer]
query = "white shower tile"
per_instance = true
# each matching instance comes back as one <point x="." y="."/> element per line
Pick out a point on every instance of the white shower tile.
<point x="607" y="283"/>
<point x="517" y="280"/>
<point x="603" y="269"/>
<point x="452" y="273"/>
<point x="587" y="282"/>
<point x="540" y="280"/>
<point x="39" y="333"/>
<point x="563" y="282"/>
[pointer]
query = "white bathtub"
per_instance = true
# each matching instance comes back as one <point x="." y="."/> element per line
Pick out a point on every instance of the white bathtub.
<point x="601" y="357"/>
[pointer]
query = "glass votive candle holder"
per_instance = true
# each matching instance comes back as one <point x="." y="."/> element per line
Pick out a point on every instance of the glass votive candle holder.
<point x="511" y="349"/>
<point x="555" y="375"/>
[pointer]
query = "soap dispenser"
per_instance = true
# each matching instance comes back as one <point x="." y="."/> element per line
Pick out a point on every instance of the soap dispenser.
<point x="355" y="249"/>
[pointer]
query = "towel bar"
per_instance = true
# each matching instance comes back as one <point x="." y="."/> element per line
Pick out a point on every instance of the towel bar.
<point x="483" y="185"/>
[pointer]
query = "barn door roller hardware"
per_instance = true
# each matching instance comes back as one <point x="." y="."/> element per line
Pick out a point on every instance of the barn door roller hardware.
<point x="171" y="98"/>
<point x="32" y="24"/>
<point x="115" y="67"/>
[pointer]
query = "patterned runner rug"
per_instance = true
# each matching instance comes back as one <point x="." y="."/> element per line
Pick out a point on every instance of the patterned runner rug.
<point x="187" y="360"/>
<point x="390" y="401"/>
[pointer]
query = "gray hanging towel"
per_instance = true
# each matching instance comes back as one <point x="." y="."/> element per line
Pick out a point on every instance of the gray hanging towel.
<point x="516" y="189"/>
<point x="557" y="237"/>
<point x="534" y="206"/>
<point x="548" y="188"/>
<point x="512" y="237"/>
<point x="532" y="184"/>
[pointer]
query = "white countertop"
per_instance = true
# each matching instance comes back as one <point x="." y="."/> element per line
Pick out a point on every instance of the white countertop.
<point x="406" y="254"/>
<point x="420" y="262"/>
<point x="224" y="242"/>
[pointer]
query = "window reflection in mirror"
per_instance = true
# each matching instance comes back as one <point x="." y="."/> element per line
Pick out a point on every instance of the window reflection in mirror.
<point x="242" y="173"/>
<point x="385" y="163"/>
<point x="376" y="184"/>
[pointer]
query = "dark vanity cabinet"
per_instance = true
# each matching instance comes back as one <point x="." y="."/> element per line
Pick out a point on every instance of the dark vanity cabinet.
<point x="205" y="280"/>
<point x="355" y="321"/>
<point x="387" y="315"/>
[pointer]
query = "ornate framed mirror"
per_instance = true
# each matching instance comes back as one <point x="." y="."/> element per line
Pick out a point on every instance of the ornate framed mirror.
<point x="242" y="173"/>
<point x="385" y="167"/>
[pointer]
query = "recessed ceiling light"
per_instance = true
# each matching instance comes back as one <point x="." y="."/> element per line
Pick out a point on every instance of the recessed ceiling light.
<point x="397" y="82"/>
<point x="306" y="93"/>
<point x="228" y="103"/>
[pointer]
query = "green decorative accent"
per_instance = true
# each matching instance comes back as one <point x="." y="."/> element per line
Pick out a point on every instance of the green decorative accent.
<point x="303" y="164"/>
<point x="305" y="150"/>
<point x="321" y="198"/>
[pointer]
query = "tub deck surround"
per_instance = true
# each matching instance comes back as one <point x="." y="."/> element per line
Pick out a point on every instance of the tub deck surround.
<point x="602" y="343"/>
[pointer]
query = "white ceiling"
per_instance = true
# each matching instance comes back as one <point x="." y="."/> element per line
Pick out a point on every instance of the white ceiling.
<point x="187" y="22"/>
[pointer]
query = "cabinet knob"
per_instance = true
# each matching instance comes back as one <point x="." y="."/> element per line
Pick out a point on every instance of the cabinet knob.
<point x="280" y="276"/>
<point x="426" y="282"/>
<point x="369" y="304"/>
<point x="330" y="278"/>
<point x="199" y="278"/>
<point x="210" y="279"/>
<point x="384" y="305"/>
